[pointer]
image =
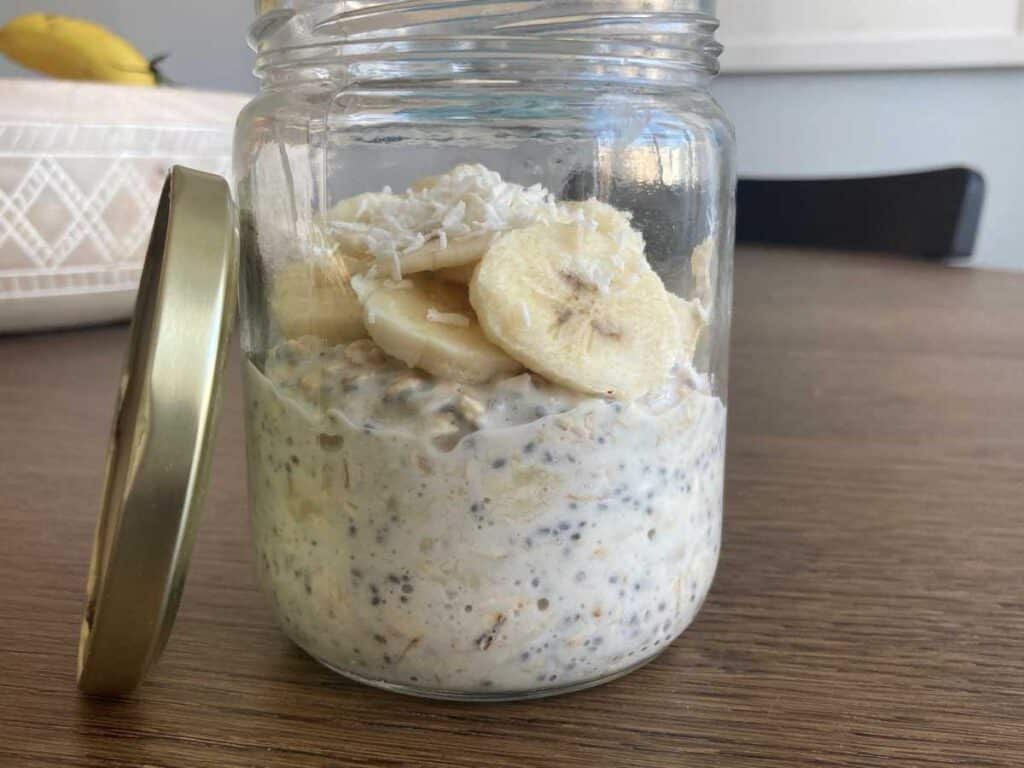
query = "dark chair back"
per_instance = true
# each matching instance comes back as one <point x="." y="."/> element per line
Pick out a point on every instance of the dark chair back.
<point x="932" y="215"/>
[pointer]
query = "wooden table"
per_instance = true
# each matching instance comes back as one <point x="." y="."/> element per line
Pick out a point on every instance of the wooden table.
<point x="868" y="608"/>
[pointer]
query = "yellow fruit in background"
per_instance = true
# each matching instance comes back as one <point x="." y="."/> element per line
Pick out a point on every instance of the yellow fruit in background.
<point x="73" y="49"/>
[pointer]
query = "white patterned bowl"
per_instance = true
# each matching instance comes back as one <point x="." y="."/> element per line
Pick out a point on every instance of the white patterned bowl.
<point x="81" y="167"/>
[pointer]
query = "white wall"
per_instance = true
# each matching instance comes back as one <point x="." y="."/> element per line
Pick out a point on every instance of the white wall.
<point x="814" y="36"/>
<point x="803" y="124"/>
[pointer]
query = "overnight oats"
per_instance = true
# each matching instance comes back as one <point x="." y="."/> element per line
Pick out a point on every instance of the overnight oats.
<point x="481" y="459"/>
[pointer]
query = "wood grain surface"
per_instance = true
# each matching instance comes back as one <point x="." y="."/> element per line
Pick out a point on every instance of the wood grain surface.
<point x="868" y="608"/>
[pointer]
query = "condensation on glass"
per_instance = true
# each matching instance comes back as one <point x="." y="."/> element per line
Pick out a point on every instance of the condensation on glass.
<point x="485" y="301"/>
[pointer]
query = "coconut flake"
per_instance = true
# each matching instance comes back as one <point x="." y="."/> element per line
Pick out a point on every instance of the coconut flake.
<point x="455" y="215"/>
<point x="525" y="310"/>
<point x="468" y="200"/>
<point x="362" y="287"/>
<point x="447" y="318"/>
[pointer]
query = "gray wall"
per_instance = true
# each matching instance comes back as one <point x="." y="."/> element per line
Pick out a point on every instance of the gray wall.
<point x="787" y="124"/>
<point x="206" y="38"/>
<point x="878" y="123"/>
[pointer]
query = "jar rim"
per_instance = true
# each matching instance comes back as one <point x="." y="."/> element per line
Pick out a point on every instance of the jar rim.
<point x="657" y="36"/>
<point x="269" y="6"/>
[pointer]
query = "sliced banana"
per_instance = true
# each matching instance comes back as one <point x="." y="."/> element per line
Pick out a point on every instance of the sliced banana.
<point x="461" y="275"/>
<point x="429" y="324"/>
<point x="358" y="210"/>
<point x="316" y="299"/>
<point x="703" y="265"/>
<point x="691" y="321"/>
<point x="608" y="220"/>
<point x="449" y="252"/>
<point x="566" y="301"/>
<point x="424" y="183"/>
<point x="360" y="207"/>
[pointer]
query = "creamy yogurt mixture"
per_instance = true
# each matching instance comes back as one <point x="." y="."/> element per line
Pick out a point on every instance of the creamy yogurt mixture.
<point x="474" y="538"/>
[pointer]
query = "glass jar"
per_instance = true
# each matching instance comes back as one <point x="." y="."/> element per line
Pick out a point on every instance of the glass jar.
<point x="485" y="295"/>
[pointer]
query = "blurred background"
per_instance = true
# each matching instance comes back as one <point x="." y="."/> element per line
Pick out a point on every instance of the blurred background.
<point x="816" y="89"/>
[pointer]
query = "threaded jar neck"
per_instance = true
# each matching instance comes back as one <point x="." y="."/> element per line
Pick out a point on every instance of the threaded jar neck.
<point x="657" y="42"/>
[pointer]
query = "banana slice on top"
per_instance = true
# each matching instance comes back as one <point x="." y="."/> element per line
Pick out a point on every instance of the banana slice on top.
<point x="360" y="207"/>
<point x="424" y="183"/>
<point x="429" y="324"/>
<point x="460" y="275"/>
<point x="703" y="265"/>
<point x="357" y="210"/>
<point x="579" y="307"/>
<point x="690" y="316"/>
<point x="448" y="252"/>
<point x="316" y="299"/>
<point x="608" y="220"/>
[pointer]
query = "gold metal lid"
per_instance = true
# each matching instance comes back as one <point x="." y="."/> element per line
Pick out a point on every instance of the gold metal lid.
<point x="160" y="445"/>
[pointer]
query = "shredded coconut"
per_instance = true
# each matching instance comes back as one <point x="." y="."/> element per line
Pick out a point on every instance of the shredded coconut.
<point x="598" y="276"/>
<point x="396" y="267"/>
<point x="362" y="286"/>
<point x="455" y="216"/>
<point x="468" y="200"/>
<point x="447" y="318"/>
<point x="525" y="310"/>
